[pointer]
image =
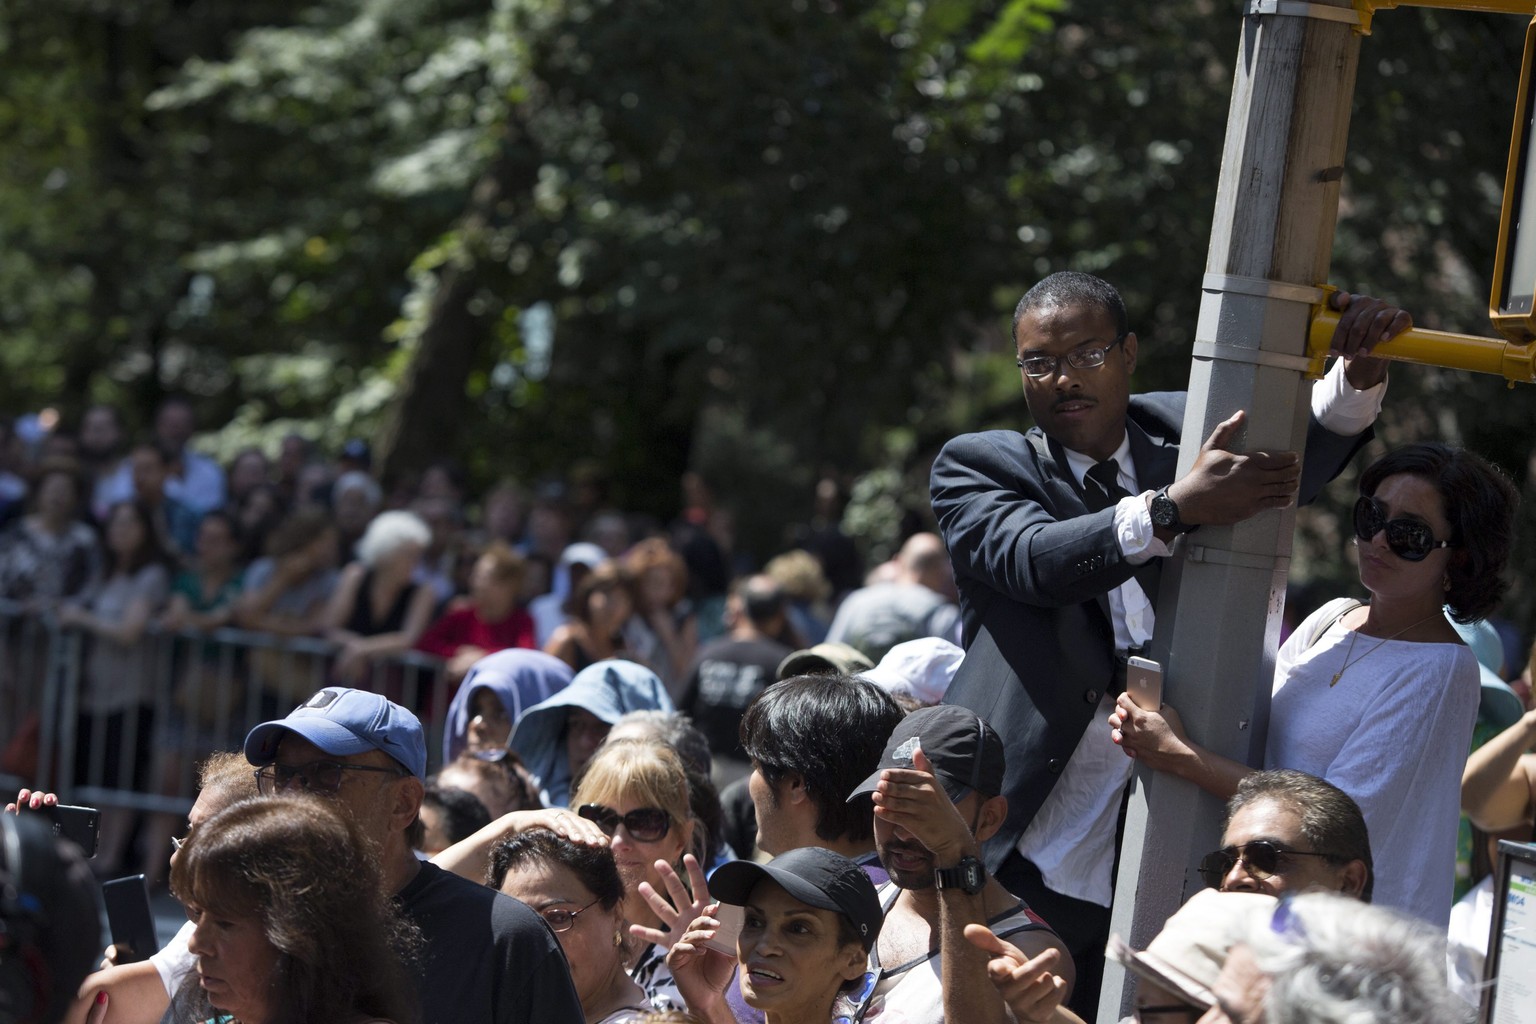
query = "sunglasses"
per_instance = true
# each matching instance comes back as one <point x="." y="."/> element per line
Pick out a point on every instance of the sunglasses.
<point x="315" y="777"/>
<point x="1409" y="539"/>
<point x="1262" y="857"/>
<point x="644" y="824"/>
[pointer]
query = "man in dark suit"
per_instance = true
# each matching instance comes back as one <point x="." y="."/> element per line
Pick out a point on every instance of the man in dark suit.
<point x="1056" y="537"/>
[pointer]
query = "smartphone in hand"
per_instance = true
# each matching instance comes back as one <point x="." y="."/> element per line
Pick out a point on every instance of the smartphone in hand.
<point x="128" y="914"/>
<point x="730" y="917"/>
<point x="1144" y="683"/>
<point x="80" y="825"/>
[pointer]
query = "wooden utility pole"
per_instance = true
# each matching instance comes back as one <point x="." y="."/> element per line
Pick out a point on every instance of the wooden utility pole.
<point x="1271" y="241"/>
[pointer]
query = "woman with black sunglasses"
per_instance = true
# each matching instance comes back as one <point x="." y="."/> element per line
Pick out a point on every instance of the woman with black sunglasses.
<point x="637" y="792"/>
<point x="1380" y="698"/>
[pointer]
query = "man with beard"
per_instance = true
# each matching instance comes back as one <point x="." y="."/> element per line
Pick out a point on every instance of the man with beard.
<point x="937" y="799"/>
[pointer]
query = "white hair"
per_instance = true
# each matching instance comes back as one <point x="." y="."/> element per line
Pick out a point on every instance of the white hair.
<point x="1334" y="960"/>
<point x="388" y="532"/>
<point x="357" y="480"/>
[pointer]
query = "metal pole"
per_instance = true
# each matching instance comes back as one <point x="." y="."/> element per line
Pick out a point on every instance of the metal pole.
<point x="1217" y="626"/>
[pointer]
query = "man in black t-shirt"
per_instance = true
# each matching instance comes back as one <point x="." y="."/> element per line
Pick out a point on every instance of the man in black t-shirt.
<point x="730" y="672"/>
<point x="485" y="957"/>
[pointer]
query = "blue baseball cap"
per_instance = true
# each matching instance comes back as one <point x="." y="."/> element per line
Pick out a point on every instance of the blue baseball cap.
<point x="343" y="722"/>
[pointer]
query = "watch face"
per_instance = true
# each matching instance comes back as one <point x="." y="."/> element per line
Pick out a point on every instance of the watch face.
<point x="1164" y="511"/>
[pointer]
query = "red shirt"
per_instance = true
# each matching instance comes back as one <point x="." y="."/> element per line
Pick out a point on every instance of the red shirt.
<point x="461" y="627"/>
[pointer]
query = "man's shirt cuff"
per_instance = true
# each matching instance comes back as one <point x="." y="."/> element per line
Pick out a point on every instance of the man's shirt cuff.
<point x="1133" y="530"/>
<point x="1340" y="408"/>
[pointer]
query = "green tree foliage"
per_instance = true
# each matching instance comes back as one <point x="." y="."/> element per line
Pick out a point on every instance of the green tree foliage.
<point x="769" y="239"/>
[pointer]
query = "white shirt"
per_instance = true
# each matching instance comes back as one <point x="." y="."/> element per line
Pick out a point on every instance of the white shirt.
<point x="1072" y="837"/>
<point x="175" y="961"/>
<point x="1393" y="733"/>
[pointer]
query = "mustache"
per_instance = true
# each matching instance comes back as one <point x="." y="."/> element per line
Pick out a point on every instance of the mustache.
<point x="906" y="846"/>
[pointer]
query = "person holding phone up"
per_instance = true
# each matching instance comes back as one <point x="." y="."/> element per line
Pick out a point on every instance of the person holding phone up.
<point x="1056" y="536"/>
<point x="1380" y="699"/>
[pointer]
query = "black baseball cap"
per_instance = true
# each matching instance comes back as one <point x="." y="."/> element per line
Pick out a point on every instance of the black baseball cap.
<point x="966" y="753"/>
<point x="812" y="875"/>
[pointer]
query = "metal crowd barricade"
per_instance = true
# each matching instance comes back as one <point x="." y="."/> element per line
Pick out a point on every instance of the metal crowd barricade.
<point x="202" y="693"/>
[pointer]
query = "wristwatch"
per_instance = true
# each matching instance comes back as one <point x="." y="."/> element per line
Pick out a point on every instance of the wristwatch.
<point x="968" y="876"/>
<point x="1165" y="513"/>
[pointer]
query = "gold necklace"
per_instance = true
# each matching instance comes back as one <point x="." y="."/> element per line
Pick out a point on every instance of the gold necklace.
<point x="1355" y="633"/>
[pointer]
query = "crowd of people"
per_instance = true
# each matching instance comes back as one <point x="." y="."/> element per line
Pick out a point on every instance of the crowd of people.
<point x="672" y="788"/>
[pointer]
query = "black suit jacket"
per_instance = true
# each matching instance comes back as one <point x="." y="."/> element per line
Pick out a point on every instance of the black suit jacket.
<point x="1034" y="569"/>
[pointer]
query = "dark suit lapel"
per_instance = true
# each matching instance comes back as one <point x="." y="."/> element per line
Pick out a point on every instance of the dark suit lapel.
<point x="1155" y="462"/>
<point x="1070" y="493"/>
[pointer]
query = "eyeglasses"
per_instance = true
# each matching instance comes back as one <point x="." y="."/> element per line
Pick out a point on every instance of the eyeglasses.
<point x="560" y="920"/>
<point x="1263" y="857"/>
<point x="316" y="777"/>
<point x="1085" y="357"/>
<point x="1409" y="539"/>
<point x="644" y="824"/>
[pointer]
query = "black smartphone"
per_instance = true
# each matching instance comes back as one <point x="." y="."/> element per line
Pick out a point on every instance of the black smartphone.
<point x="133" y="926"/>
<point x="80" y="825"/>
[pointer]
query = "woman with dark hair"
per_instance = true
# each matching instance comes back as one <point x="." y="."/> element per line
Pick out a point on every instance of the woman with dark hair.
<point x="257" y="514"/>
<point x="113" y="737"/>
<point x="577" y="889"/>
<point x="50" y="554"/>
<point x="203" y="596"/>
<point x="290" y="921"/>
<point x="1380" y="698"/>
<point x="664" y="631"/>
<point x="598" y="608"/>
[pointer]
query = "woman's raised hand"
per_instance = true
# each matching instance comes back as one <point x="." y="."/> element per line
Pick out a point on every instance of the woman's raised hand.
<point x="680" y="909"/>
<point x="701" y="973"/>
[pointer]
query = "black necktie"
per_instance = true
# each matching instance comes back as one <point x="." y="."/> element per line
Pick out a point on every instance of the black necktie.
<point x="1101" y="486"/>
<point x="1101" y="490"/>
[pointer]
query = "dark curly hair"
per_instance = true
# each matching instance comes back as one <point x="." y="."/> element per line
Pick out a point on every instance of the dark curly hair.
<point x="593" y="866"/>
<point x="1479" y="503"/>
<point x="308" y="873"/>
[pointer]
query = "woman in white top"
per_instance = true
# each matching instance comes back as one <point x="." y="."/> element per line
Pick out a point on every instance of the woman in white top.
<point x="1380" y="699"/>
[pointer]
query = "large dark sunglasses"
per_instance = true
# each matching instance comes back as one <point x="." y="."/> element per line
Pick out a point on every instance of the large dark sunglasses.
<point x="1409" y="539"/>
<point x="644" y="824"/>
<point x="315" y="777"/>
<point x="1263" y="858"/>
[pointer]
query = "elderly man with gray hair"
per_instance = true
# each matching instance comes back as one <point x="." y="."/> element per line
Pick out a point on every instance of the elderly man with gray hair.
<point x="1322" y="958"/>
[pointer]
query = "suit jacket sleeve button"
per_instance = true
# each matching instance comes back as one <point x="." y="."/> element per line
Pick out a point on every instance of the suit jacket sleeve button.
<point x="1054" y="766"/>
<point x="1091" y="696"/>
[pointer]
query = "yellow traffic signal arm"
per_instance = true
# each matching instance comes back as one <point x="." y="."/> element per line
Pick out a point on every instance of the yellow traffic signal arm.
<point x="1367" y="8"/>
<point x="1430" y="348"/>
